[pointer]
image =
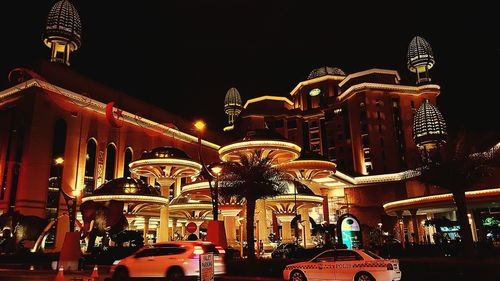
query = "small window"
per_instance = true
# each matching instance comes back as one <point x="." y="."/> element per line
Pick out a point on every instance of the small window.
<point x="314" y="124"/>
<point x="315" y="135"/>
<point x="326" y="257"/>
<point x="291" y="124"/>
<point x="278" y="123"/>
<point x="147" y="252"/>
<point x="347" y="256"/>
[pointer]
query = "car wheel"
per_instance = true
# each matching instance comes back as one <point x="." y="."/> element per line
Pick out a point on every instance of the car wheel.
<point x="297" y="275"/>
<point x="364" y="276"/>
<point x="121" y="273"/>
<point x="175" y="274"/>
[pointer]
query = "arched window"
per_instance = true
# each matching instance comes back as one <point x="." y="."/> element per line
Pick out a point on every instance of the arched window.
<point x="55" y="177"/>
<point x="126" y="161"/>
<point x="110" y="162"/>
<point x="90" y="158"/>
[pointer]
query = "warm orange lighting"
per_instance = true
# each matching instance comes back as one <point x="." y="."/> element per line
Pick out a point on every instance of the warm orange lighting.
<point x="76" y="192"/>
<point x="59" y="160"/>
<point x="216" y="170"/>
<point x="200" y="125"/>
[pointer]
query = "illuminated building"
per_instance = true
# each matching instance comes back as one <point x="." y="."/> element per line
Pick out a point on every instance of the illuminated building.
<point x="376" y="130"/>
<point x="354" y="142"/>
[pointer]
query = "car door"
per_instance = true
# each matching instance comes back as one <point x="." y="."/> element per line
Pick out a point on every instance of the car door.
<point x="141" y="264"/>
<point x="345" y="264"/>
<point x="322" y="267"/>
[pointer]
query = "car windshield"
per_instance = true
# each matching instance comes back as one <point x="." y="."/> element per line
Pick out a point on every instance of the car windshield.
<point x="372" y="255"/>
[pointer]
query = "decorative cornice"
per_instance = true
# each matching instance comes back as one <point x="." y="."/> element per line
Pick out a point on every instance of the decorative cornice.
<point x="436" y="199"/>
<point x="263" y="98"/>
<point x="316" y="80"/>
<point x="370" y="71"/>
<point x="99" y="107"/>
<point x="127" y="198"/>
<point x="411" y="90"/>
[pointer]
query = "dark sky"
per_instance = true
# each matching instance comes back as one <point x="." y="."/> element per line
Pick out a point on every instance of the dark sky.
<point x="184" y="55"/>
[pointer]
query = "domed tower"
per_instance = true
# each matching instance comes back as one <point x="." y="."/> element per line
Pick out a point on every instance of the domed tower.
<point x="325" y="70"/>
<point x="429" y="130"/>
<point x="63" y="32"/>
<point x="420" y="59"/>
<point x="232" y="104"/>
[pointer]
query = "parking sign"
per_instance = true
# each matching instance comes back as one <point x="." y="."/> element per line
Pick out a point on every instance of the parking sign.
<point x="207" y="267"/>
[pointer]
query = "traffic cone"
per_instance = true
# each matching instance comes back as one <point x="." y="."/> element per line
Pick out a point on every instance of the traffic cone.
<point x="95" y="273"/>
<point x="60" y="274"/>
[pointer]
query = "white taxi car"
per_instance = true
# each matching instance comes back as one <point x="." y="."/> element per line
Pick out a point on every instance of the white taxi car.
<point x="343" y="264"/>
<point x="172" y="260"/>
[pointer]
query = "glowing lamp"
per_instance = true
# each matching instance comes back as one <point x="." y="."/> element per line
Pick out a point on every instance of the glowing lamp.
<point x="314" y="92"/>
<point x="199" y="125"/>
<point x="216" y="170"/>
<point x="59" y="160"/>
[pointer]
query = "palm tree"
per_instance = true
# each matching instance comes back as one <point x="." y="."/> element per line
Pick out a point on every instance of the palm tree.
<point x="461" y="168"/>
<point x="252" y="178"/>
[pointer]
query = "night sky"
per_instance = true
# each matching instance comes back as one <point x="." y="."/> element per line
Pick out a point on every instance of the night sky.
<point x="184" y="56"/>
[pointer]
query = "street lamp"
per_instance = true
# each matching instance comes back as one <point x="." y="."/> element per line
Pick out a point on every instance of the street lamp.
<point x="216" y="231"/>
<point x="71" y="199"/>
<point x="211" y="172"/>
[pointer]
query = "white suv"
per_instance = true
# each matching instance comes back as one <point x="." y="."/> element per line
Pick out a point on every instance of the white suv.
<point x="172" y="260"/>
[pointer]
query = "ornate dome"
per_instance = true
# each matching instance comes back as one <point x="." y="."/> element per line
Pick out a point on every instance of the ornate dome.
<point x="325" y="70"/>
<point x="428" y="125"/>
<point x="233" y="98"/>
<point x="419" y="54"/>
<point x="232" y="104"/>
<point x="63" y="23"/>
<point x="165" y="152"/>
<point x="125" y="186"/>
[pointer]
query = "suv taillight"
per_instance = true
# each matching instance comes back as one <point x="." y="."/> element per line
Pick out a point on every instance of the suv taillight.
<point x="220" y="249"/>
<point x="389" y="266"/>
<point x="198" y="250"/>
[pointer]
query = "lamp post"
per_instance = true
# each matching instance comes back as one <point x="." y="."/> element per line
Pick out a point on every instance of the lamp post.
<point x="209" y="172"/>
<point x="216" y="231"/>
<point x="71" y="200"/>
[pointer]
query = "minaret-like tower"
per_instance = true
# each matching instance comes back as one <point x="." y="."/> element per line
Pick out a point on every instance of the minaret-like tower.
<point x="420" y="59"/>
<point x="63" y="32"/>
<point x="429" y="131"/>
<point x="232" y="105"/>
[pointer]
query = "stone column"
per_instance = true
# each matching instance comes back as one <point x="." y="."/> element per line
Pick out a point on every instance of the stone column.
<point x="306" y="228"/>
<point x="198" y="223"/>
<point x="472" y="223"/>
<point x="431" y="228"/>
<point x="326" y="210"/>
<point x="401" y="227"/>
<point x="260" y="215"/>
<point x="415" y="223"/>
<point x="174" y="226"/>
<point x="163" y="234"/>
<point x="146" y="230"/>
<point x="183" y="230"/>
<point x="230" y="225"/>
<point x="286" y="228"/>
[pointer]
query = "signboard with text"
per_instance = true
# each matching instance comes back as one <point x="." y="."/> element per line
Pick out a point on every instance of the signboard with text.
<point x="207" y="267"/>
<point x="191" y="227"/>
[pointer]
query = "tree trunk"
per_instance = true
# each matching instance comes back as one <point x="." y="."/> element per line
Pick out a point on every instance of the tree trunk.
<point x="250" y="230"/>
<point x="463" y="220"/>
